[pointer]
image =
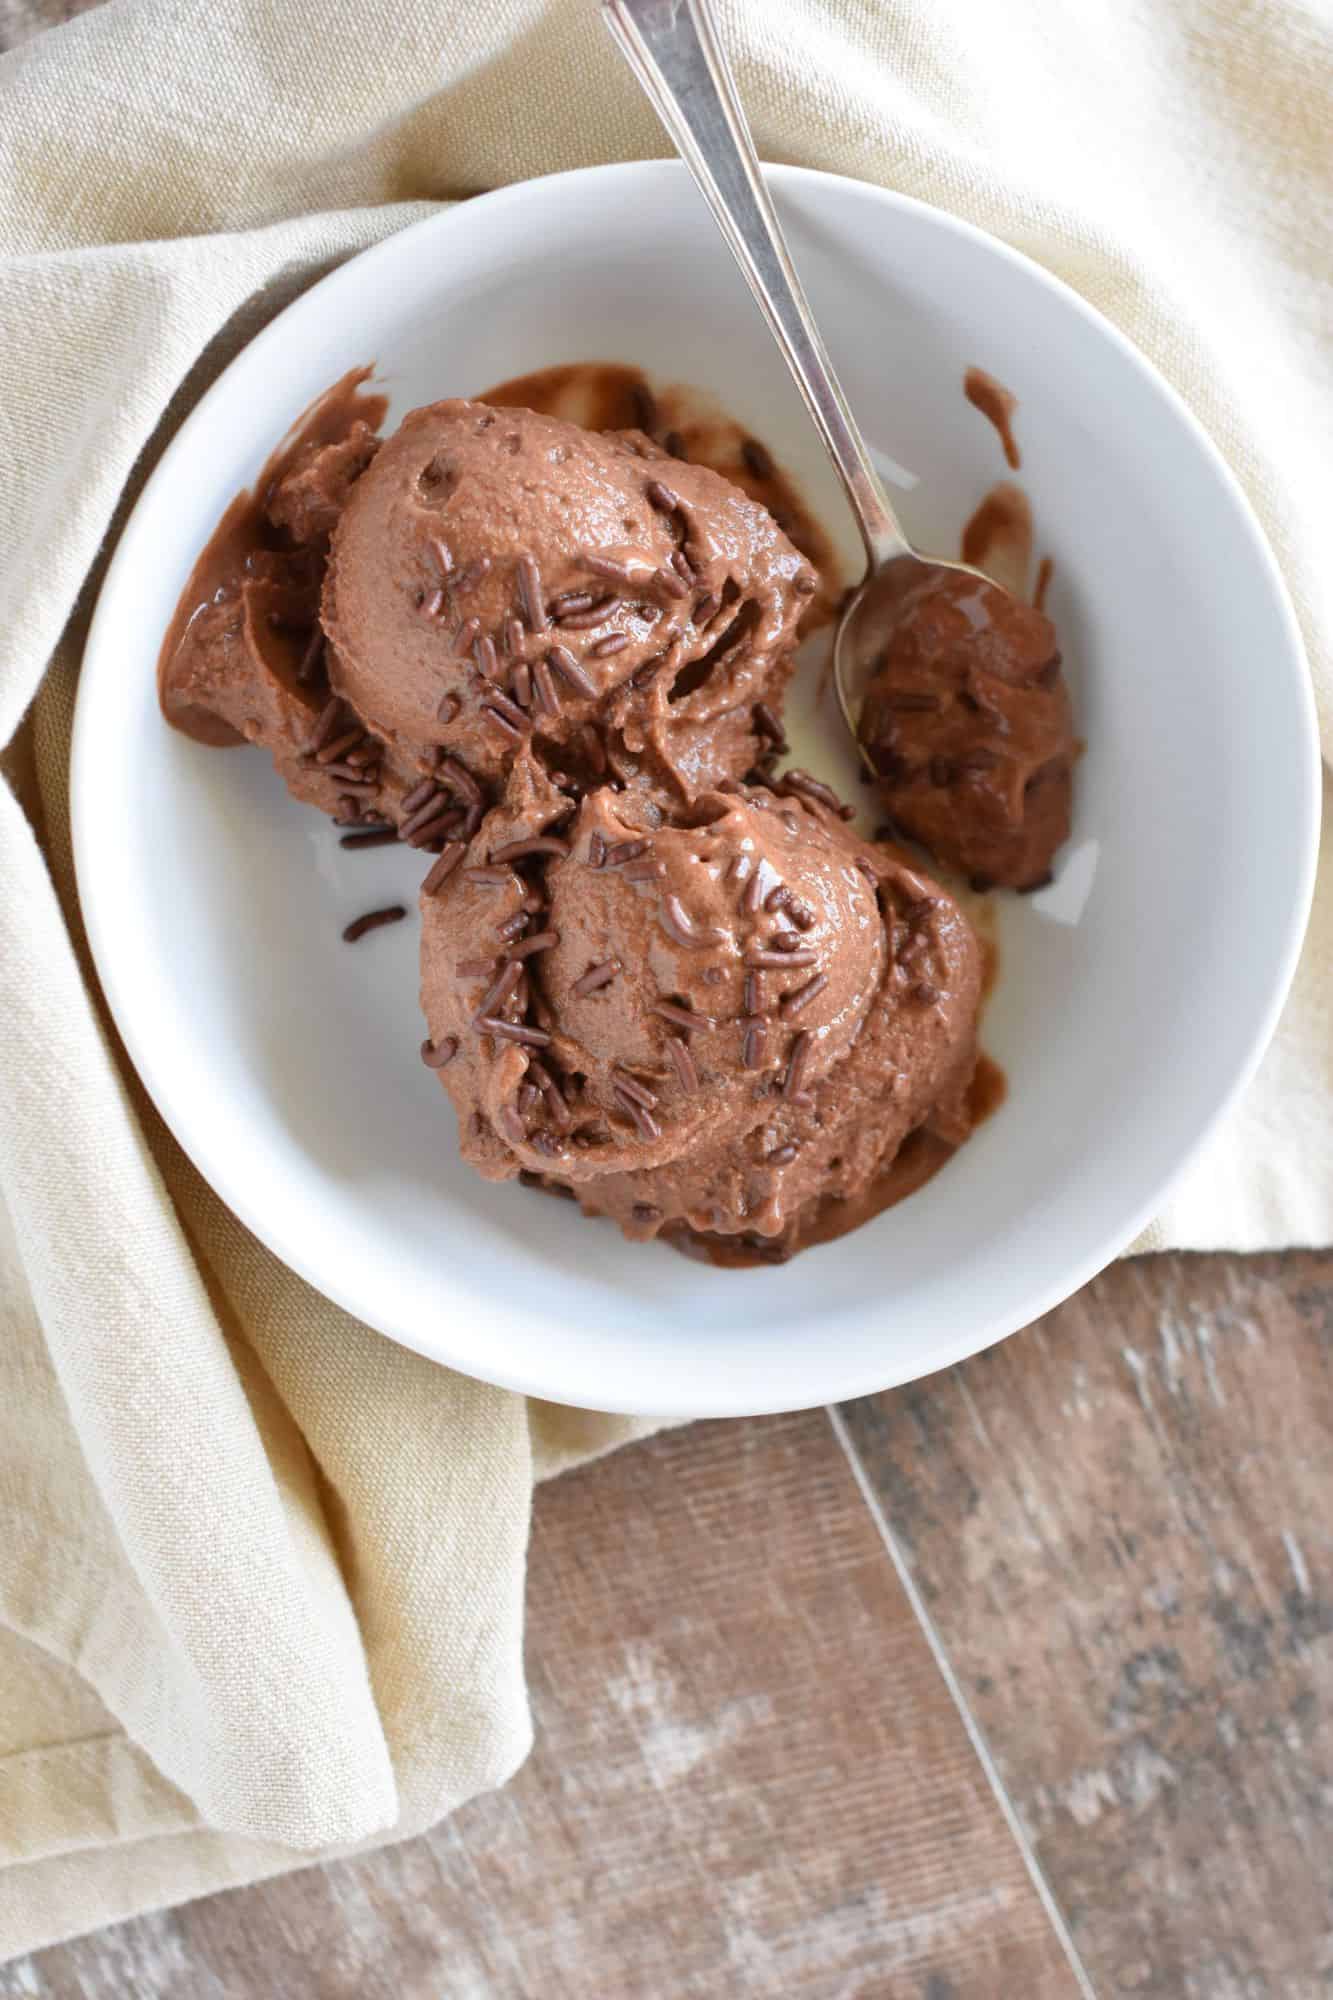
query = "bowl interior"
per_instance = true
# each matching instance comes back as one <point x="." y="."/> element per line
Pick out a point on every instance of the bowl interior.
<point x="1133" y="994"/>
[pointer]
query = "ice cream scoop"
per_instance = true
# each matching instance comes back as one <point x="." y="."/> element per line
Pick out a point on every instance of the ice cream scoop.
<point x="621" y="987"/>
<point x="499" y="576"/>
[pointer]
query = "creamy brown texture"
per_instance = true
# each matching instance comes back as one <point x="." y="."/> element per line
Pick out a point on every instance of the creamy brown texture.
<point x="633" y="607"/>
<point x="966" y="716"/>
<point x="231" y="660"/>
<point x="655" y="975"/>
<point x="726" y="1022"/>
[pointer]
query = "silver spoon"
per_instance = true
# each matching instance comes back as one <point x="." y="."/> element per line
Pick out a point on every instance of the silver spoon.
<point x="673" y="50"/>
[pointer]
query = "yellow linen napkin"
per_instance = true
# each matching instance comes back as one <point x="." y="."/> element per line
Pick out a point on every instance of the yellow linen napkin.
<point x="261" y="1572"/>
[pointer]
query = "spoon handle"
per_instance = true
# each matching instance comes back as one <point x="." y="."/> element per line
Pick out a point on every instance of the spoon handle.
<point x="673" y="50"/>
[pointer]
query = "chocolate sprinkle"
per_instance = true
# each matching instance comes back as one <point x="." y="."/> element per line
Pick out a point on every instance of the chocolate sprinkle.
<point x="432" y="604"/>
<point x="614" y="642"/>
<point x="671" y="583"/>
<point x="513" y="1031"/>
<point x="754" y="893"/>
<point x="570" y="600"/>
<point x="380" y="836"/>
<point x="595" y="613"/>
<point x="500" y="989"/>
<point x="804" y="786"/>
<point x="495" y="713"/>
<point x="595" y="978"/>
<point x="464" y="636"/>
<point x="550" y="1090"/>
<point x="796" y="1063"/>
<point x="308" y="665"/>
<point x="562" y="661"/>
<point x="607" y="566"/>
<point x="486" y="657"/>
<point x="443" y="869"/>
<point x="418" y="795"/>
<point x="530" y="593"/>
<point x="753" y="998"/>
<point x="783" y="961"/>
<point x="513" y="633"/>
<point x="629" y="1086"/>
<point x="436" y="807"/>
<point x="436" y="1055"/>
<point x="659" y="495"/>
<point x="458" y="775"/>
<point x="539" y="941"/>
<point x="792" y="1003"/>
<point x="448" y="709"/>
<point x="520" y="684"/>
<point x="488" y="878"/>
<point x="781" y="1156"/>
<point x="545" y="698"/>
<point x="682" y="1017"/>
<point x="332" y="751"/>
<point x="324" y="728"/>
<point x="775" y="898"/>
<point x="682" y="1059"/>
<point x="677" y="922"/>
<point x="643" y="1118"/>
<point x="596" y="849"/>
<point x="753" y="1046"/>
<point x="373" y="920"/>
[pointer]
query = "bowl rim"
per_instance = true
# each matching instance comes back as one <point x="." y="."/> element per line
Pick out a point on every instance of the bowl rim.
<point x="1303" y="790"/>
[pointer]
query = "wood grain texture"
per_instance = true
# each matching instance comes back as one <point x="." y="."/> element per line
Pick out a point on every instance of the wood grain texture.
<point x="749" y="1778"/>
<point x="20" y="20"/>
<point x="1122" y="1524"/>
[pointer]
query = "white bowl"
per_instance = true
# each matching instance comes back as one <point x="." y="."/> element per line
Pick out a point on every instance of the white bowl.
<point x="1135" y="997"/>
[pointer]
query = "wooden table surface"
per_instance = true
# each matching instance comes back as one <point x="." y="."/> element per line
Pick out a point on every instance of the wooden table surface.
<point x="1016" y="1684"/>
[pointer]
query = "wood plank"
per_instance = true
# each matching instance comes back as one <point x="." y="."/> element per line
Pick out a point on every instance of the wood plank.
<point x="1122" y="1523"/>
<point x="749" y="1779"/>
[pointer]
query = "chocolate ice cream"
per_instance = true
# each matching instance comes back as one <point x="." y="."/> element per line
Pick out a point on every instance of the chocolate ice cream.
<point x="553" y="660"/>
<point x="968" y="722"/>
<point x="717" y="1022"/>
<point x="498" y="573"/>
